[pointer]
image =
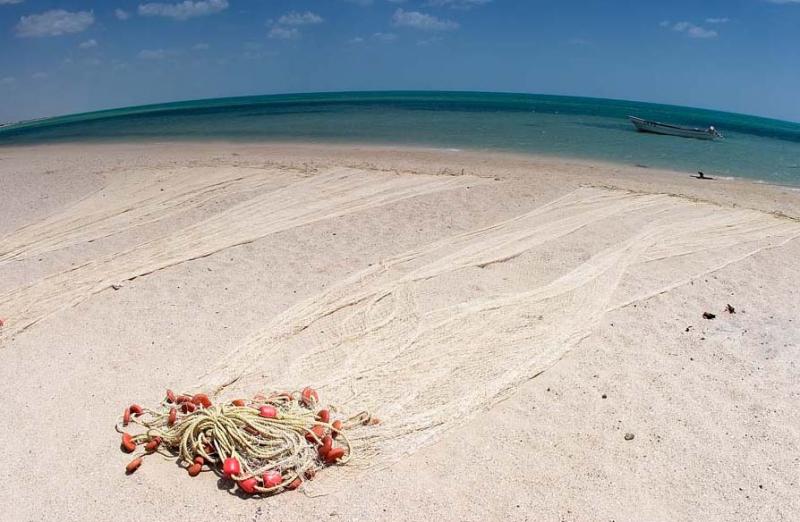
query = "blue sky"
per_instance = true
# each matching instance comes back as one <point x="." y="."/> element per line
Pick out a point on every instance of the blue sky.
<point x="60" y="57"/>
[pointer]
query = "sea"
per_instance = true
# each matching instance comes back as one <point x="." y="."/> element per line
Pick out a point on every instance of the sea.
<point x="757" y="148"/>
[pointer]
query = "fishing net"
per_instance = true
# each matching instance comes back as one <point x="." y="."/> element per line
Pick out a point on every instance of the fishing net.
<point x="266" y="444"/>
<point x="332" y="193"/>
<point x="431" y="338"/>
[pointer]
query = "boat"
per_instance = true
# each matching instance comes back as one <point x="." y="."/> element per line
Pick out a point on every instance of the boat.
<point x="656" y="127"/>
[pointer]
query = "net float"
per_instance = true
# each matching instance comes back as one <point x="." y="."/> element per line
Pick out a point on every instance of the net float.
<point x="127" y="443"/>
<point x="294" y="484"/>
<point x="173" y="414"/>
<point x="183" y="398"/>
<point x="199" y="460"/>
<point x="135" y="409"/>
<point x="334" y="455"/>
<point x="268" y="412"/>
<point x="231" y="467"/>
<point x="248" y="485"/>
<point x="272" y="479"/>
<point x="194" y="469"/>
<point x="151" y="446"/>
<point x="315" y="434"/>
<point x="238" y="402"/>
<point x="309" y="396"/>
<point x="133" y="465"/>
<point x="327" y="444"/>
<point x="170" y="396"/>
<point x="337" y="427"/>
<point x="188" y="407"/>
<point x="201" y="399"/>
<point x="324" y="416"/>
<point x="126" y="416"/>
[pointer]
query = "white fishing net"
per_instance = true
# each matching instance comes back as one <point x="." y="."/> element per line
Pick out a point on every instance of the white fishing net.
<point x="328" y="194"/>
<point x="427" y="339"/>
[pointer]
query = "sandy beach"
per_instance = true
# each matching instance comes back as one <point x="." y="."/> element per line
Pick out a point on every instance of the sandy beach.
<point x="510" y="319"/>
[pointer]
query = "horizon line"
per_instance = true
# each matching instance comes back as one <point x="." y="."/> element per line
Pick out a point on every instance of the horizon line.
<point x="156" y="105"/>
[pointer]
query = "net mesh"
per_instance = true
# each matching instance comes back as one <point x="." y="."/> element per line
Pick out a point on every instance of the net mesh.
<point x="412" y="341"/>
<point x="328" y="194"/>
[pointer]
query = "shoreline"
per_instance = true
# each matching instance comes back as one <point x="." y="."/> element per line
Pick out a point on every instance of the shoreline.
<point x="677" y="182"/>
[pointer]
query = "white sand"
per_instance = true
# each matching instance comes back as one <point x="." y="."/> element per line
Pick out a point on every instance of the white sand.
<point x="481" y="304"/>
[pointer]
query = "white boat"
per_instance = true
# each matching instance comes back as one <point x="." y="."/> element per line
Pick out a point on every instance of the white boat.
<point x="655" y="127"/>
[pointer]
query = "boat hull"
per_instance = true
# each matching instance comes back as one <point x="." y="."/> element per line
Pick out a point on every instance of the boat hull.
<point x="655" y="127"/>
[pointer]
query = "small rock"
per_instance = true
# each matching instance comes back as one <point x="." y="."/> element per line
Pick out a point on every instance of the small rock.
<point x="730" y="309"/>
<point x="605" y="396"/>
<point x="116" y="286"/>
<point x="629" y="436"/>
<point x="708" y="315"/>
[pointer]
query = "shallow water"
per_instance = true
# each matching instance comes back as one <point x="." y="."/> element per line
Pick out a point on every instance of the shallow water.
<point x="589" y="128"/>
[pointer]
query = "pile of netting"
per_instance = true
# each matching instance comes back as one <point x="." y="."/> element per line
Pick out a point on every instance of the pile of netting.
<point x="266" y="444"/>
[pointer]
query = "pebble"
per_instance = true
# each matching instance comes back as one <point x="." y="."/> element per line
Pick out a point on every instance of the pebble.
<point x="629" y="436"/>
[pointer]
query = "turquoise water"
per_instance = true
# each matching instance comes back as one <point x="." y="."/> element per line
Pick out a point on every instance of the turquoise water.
<point x="587" y="128"/>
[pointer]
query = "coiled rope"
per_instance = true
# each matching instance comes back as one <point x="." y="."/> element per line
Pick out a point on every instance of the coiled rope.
<point x="266" y="444"/>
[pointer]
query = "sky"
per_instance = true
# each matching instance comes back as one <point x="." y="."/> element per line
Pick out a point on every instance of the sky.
<point x="59" y="57"/>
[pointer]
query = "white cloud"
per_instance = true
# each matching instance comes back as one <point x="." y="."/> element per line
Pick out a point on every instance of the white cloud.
<point x="39" y="75"/>
<point x="283" y="33"/>
<point x="121" y="14"/>
<point x="8" y="80"/>
<point x="295" y="18"/>
<point x="152" y="54"/>
<point x="784" y="1"/>
<point x="691" y="30"/>
<point x="54" y="23"/>
<point x="457" y="4"/>
<point x="380" y="37"/>
<point x="384" y="37"/>
<point x="286" y="26"/>
<point x="9" y="2"/>
<point x="88" y="44"/>
<point x="183" y="10"/>
<point x="201" y="46"/>
<point x="694" y="31"/>
<point x="721" y="20"/>
<point x="422" y="21"/>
